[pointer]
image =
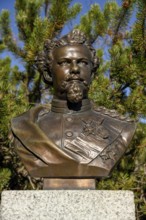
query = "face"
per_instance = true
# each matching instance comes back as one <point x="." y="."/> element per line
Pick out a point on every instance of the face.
<point x="71" y="72"/>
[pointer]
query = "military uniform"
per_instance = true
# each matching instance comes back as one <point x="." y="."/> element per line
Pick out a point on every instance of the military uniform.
<point x="64" y="143"/>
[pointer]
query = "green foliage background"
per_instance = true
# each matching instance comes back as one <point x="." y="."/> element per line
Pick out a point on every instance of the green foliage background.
<point x="120" y="82"/>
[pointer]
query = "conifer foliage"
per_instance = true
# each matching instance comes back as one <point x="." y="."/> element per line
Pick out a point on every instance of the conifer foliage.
<point x="120" y="82"/>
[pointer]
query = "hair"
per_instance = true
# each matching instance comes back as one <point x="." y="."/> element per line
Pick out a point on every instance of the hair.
<point x="43" y="61"/>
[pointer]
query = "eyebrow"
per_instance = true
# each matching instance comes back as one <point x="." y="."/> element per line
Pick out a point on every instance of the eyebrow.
<point x="78" y="58"/>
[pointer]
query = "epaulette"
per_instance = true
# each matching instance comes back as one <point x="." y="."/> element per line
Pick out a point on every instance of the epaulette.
<point x="113" y="113"/>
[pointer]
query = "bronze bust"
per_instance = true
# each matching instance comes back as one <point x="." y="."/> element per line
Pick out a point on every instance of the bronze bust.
<point x="70" y="140"/>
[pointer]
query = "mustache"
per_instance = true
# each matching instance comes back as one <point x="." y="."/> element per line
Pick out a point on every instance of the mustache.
<point x="75" y="77"/>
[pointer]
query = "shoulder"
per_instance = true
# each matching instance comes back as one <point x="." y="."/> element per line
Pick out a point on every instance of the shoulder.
<point x="32" y="114"/>
<point x="113" y="114"/>
<point x="115" y="122"/>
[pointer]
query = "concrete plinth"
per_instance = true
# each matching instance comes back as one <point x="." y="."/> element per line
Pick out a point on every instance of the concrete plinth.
<point x="67" y="205"/>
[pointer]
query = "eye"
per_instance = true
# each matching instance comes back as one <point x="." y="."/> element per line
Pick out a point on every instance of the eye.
<point x="64" y="62"/>
<point x="83" y="62"/>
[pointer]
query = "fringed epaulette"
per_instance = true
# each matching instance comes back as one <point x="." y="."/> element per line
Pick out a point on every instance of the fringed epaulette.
<point x="113" y="113"/>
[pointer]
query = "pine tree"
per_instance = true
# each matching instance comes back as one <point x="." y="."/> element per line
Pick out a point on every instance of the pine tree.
<point x="12" y="102"/>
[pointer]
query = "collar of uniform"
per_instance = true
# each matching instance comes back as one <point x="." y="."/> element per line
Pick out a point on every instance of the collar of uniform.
<point x="61" y="106"/>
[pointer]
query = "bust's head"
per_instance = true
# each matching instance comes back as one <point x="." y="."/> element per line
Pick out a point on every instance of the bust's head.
<point x="70" y="63"/>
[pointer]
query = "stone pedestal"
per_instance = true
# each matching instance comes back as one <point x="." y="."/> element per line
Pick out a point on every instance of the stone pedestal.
<point x="67" y="205"/>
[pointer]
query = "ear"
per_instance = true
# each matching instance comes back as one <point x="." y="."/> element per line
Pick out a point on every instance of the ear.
<point x="47" y="78"/>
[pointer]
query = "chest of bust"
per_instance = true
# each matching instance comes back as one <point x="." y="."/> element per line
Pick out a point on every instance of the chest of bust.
<point x="84" y="135"/>
<point x="62" y="128"/>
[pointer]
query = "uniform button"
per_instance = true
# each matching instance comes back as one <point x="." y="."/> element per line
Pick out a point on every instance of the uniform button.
<point x="69" y="134"/>
<point x="69" y="119"/>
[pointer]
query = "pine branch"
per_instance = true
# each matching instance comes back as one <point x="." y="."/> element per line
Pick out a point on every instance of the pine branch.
<point x="7" y="36"/>
<point x="139" y="30"/>
<point x="122" y="19"/>
<point x="26" y="13"/>
<point x="60" y="13"/>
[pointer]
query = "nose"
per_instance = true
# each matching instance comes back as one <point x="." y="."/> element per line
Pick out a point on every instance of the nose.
<point x="74" y="67"/>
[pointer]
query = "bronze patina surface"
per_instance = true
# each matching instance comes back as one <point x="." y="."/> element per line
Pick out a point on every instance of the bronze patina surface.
<point x="69" y="184"/>
<point x="70" y="140"/>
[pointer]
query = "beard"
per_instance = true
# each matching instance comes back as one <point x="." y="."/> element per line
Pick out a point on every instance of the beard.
<point x="75" y="88"/>
<point x="75" y="92"/>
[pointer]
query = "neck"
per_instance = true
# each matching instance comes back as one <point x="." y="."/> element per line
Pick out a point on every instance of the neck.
<point x="63" y="106"/>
